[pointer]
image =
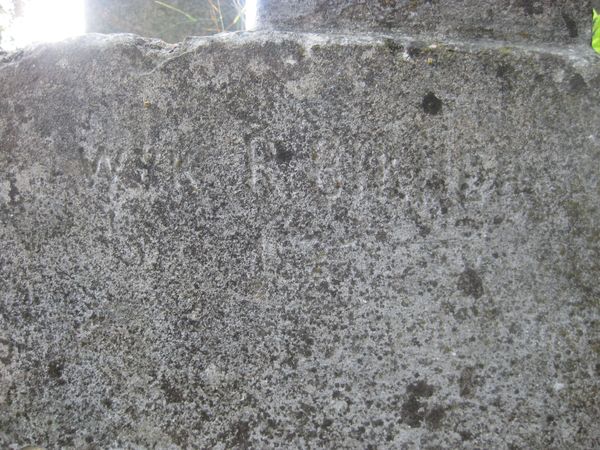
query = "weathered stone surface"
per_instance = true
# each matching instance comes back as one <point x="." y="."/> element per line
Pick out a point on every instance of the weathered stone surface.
<point x="287" y="239"/>
<point x="565" y="21"/>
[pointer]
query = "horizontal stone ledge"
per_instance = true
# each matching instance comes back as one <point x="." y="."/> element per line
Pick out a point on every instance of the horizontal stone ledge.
<point x="577" y="54"/>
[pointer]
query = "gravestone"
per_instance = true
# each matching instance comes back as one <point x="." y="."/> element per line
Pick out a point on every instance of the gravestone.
<point x="304" y="239"/>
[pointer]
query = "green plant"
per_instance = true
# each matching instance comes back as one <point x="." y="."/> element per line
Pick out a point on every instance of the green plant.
<point x="213" y="16"/>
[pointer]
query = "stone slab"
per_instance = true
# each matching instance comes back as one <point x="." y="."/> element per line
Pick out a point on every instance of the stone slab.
<point x="298" y="240"/>
<point x="566" y="21"/>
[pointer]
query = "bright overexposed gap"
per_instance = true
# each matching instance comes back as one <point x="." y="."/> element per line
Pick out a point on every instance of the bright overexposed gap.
<point x="251" y="12"/>
<point x="45" y="21"/>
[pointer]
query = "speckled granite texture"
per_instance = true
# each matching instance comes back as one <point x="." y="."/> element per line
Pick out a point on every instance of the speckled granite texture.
<point x="555" y="21"/>
<point x="299" y="241"/>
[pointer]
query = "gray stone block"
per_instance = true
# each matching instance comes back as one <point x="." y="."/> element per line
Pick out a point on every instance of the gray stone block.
<point x="567" y="21"/>
<point x="298" y="240"/>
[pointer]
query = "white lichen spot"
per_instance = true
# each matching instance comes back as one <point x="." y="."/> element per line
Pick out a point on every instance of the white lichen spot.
<point x="558" y="76"/>
<point x="23" y="181"/>
<point x="212" y="374"/>
<point x="63" y="63"/>
<point x="4" y="190"/>
<point x="305" y="87"/>
<point x="192" y="181"/>
<point x="338" y="406"/>
<point x="369" y="53"/>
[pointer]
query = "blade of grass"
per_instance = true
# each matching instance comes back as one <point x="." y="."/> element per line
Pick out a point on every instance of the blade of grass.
<point x="171" y="7"/>
<point x="205" y="26"/>
<point x="221" y="16"/>
<point x="216" y="14"/>
<point x="240" y="10"/>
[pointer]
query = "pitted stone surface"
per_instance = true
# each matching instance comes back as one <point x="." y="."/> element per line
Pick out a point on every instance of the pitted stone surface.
<point x="565" y="21"/>
<point x="295" y="240"/>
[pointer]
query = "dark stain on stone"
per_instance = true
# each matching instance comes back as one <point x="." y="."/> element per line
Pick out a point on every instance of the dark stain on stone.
<point x="577" y="84"/>
<point x="431" y="104"/>
<point x="465" y="435"/>
<point x="466" y="382"/>
<point x="467" y="222"/>
<point x="179" y="437"/>
<point x="470" y="283"/>
<point x="413" y="51"/>
<point x="504" y="71"/>
<point x="435" y="416"/>
<point x="21" y="113"/>
<point x="13" y="192"/>
<point x="571" y="24"/>
<point x="282" y="154"/>
<point x="241" y="437"/>
<point x="420" y="389"/>
<point x="381" y="236"/>
<point x="377" y="423"/>
<point x="306" y="341"/>
<point x="172" y="394"/>
<point x="411" y="411"/>
<point x="531" y="7"/>
<point x="6" y="356"/>
<point x="444" y="205"/>
<point x="65" y="441"/>
<point x="539" y="79"/>
<point x="424" y="230"/>
<point x="392" y="45"/>
<point x="291" y="361"/>
<point x="55" y="371"/>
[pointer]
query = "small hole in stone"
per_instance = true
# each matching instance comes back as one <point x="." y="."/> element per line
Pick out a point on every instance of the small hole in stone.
<point x="431" y="104"/>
